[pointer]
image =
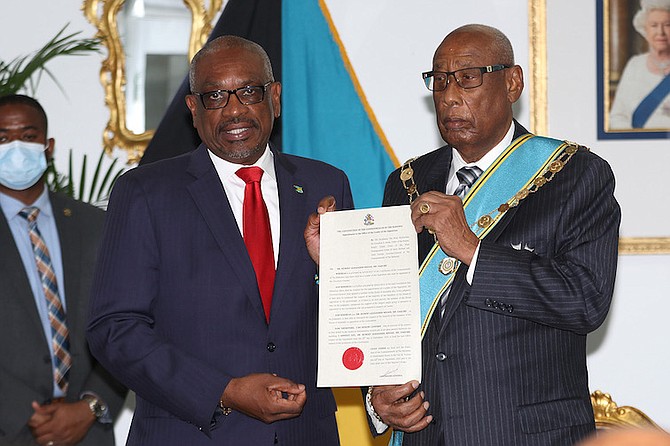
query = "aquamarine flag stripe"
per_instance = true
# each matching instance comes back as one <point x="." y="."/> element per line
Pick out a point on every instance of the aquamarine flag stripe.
<point x="323" y="117"/>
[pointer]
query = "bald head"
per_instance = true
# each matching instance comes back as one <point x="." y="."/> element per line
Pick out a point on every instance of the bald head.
<point x="229" y="43"/>
<point x="494" y="38"/>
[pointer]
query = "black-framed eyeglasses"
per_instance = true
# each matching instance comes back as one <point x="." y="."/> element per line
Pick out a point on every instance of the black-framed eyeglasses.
<point x="465" y="77"/>
<point x="247" y="95"/>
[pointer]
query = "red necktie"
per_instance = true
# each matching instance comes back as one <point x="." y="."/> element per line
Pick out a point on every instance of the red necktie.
<point x="257" y="234"/>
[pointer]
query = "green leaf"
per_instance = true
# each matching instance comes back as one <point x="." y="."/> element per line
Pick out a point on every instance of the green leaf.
<point x="82" y="180"/>
<point x="55" y="181"/>
<point x="70" y="182"/>
<point x="100" y="188"/>
<point x="106" y="185"/>
<point x="96" y="174"/>
<point x="24" y="72"/>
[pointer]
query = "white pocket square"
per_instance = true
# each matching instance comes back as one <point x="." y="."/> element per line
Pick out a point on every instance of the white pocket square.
<point x="519" y="246"/>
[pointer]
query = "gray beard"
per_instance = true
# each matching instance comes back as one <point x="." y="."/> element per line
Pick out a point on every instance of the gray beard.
<point x="258" y="150"/>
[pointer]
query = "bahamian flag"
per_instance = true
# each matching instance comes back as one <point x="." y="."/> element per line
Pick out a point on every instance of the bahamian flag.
<point x="325" y="113"/>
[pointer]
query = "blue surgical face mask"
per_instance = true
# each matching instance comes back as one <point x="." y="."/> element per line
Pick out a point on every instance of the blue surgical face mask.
<point x="22" y="164"/>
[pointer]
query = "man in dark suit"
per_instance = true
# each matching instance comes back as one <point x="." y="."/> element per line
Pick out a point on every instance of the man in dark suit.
<point x="36" y="407"/>
<point x="504" y="353"/>
<point x="180" y="308"/>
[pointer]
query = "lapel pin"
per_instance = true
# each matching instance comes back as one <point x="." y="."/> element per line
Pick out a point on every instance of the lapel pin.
<point x="298" y="189"/>
<point x="67" y="212"/>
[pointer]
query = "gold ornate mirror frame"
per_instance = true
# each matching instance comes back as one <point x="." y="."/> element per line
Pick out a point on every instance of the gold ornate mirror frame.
<point x="102" y="14"/>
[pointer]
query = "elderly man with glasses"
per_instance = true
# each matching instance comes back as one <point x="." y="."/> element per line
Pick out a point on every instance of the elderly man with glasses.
<point x="518" y="239"/>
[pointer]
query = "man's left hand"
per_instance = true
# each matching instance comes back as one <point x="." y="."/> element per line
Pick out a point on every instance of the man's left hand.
<point x="398" y="409"/>
<point x="60" y="423"/>
<point x="443" y="215"/>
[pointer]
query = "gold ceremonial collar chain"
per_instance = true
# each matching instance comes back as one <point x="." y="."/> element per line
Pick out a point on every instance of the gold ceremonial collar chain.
<point x="540" y="180"/>
<point x="449" y="264"/>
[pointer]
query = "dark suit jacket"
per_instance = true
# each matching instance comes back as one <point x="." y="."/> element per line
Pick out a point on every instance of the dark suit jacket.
<point x="26" y="372"/>
<point x="176" y="311"/>
<point x="507" y="363"/>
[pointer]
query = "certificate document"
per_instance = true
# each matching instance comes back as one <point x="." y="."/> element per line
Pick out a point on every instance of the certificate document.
<point x="369" y="311"/>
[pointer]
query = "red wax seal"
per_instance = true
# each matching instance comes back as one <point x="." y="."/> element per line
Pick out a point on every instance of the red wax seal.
<point x="352" y="358"/>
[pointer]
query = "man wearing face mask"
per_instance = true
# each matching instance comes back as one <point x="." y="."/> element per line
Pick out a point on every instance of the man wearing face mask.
<point x="52" y="391"/>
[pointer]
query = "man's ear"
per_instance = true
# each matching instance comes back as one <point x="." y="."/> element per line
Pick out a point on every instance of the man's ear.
<point x="275" y="92"/>
<point x="192" y="105"/>
<point x="50" y="145"/>
<point x="514" y="80"/>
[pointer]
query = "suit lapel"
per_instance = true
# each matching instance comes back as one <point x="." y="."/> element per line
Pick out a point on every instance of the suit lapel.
<point x="292" y="216"/>
<point x="458" y="290"/>
<point x="436" y="176"/>
<point x="210" y="198"/>
<point x="435" y="179"/>
<point x="13" y="274"/>
<point x="70" y="246"/>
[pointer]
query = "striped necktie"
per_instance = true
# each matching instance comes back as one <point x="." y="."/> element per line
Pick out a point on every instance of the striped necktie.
<point x="466" y="176"/>
<point x="60" y="337"/>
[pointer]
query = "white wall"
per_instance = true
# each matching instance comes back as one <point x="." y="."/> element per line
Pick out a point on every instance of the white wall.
<point x="628" y="354"/>
<point x="390" y="42"/>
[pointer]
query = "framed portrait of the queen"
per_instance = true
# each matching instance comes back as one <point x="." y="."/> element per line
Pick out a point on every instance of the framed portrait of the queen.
<point x="633" y="69"/>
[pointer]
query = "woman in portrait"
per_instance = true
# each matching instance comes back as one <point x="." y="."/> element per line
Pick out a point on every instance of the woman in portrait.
<point x="642" y="97"/>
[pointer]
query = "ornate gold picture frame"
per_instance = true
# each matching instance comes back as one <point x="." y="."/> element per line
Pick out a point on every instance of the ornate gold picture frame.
<point x="103" y="15"/>
<point x="618" y="46"/>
